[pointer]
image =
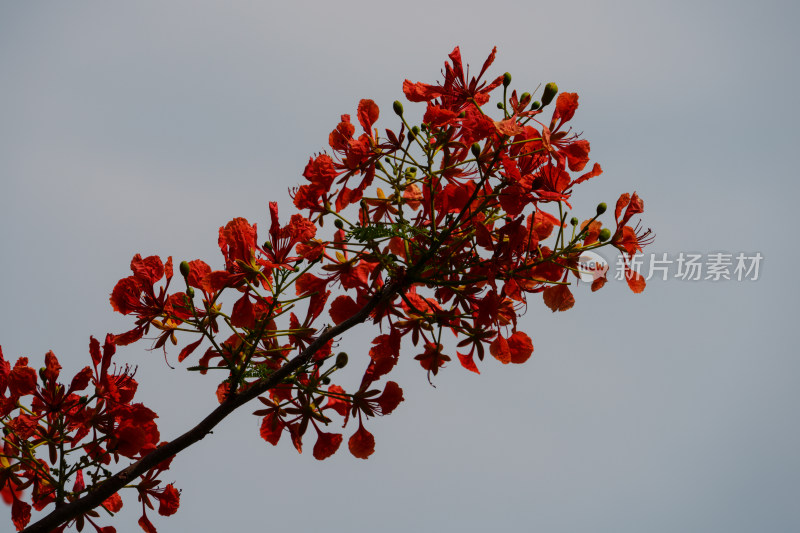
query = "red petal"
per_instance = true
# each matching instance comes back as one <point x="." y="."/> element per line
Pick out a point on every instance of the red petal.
<point x="566" y="105"/>
<point x="243" y="314"/>
<point x="500" y="350"/>
<point x="271" y="428"/>
<point x="598" y="283"/>
<point x="635" y="280"/>
<point x="125" y="296"/>
<point x="113" y="503"/>
<point x="327" y="444"/>
<point x="367" y="114"/>
<point x="390" y="398"/>
<point x="420" y="92"/>
<point x="467" y="362"/>
<point x="20" y="514"/>
<point x="362" y="443"/>
<point x="558" y="298"/>
<point x="145" y="524"/>
<point x="188" y="349"/>
<point x="22" y="379"/>
<point x="520" y="346"/>
<point x="81" y="380"/>
<point x="52" y="366"/>
<point x="343" y="308"/>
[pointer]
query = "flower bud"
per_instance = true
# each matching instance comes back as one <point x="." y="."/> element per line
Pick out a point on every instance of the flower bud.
<point x="476" y="149"/>
<point x="500" y="105"/>
<point x="536" y="105"/>
<point x="601" y="208"/>
<point x="267" y="245"/>
<point x="41" y="373"/>
<point x="506" y="79"/>
<point x="463" y="114"/>
<point x="338" y="223"/>
<point x="605" y="234"/>
<point x="325" y="381"/>
<point x="341" y="360"/>
<point x="550" y="91"/>
<point x="398" y="108"/>
<point x="574" y="221"/>
<point x="190" y="292"/>
<point x="185" y="268"/>
<point x="524" y="96"/>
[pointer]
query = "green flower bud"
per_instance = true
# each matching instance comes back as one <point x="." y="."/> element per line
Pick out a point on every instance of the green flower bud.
<point x="379" y="166"/>
<point x="500" y="105"/>
<point x="341" y="360"/>
<point x="506" y="79"/>
<point x="605" y="234"/>
<point x="601" y="208"/>
<point x="398" y="108"/>
<point x="41" y="373"/>
<point x="190" y="292"/>
<point x="338" y="223"/>
<point x="463" y="114"/>
<point x="574" y="221"/>
<point x="267" y="245"/>
<point x="550" y="91"/>
<point x="524" y="96"/>
<point x="185" y="268"/>
<point x="325" y="381"/>
<point x="536" y="105"/>
<point x="476" y="149"/>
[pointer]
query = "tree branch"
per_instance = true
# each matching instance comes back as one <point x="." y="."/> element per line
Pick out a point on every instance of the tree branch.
<point x="120" y="479"/>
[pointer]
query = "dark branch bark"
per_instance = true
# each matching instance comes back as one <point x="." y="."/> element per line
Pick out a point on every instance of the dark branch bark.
<point x="120" y="479"/>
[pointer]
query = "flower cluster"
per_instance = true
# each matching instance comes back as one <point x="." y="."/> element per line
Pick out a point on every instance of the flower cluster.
<point x="442" y="232"/>
<point x="79" y="429"/>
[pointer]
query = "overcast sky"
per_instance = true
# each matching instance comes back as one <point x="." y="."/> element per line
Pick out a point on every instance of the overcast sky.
<point x="144" y="127"/>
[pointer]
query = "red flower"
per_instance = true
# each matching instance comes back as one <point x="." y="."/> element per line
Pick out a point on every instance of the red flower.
<point x="456" y="92"/>
<point x="282" y="240"/>
<point x="627" y="239"/>
<point x="432" y="359"/>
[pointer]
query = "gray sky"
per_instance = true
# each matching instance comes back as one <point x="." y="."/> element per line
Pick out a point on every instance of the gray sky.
<point x="142" y="128"/>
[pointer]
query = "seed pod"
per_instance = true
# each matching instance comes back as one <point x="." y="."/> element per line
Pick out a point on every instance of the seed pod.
<point x="398" y="108"/>
<point x="550" y="91"/>
<point x="185" y="268"/>
<point x="605" y="234"/>
<point x="601" y="208"/>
